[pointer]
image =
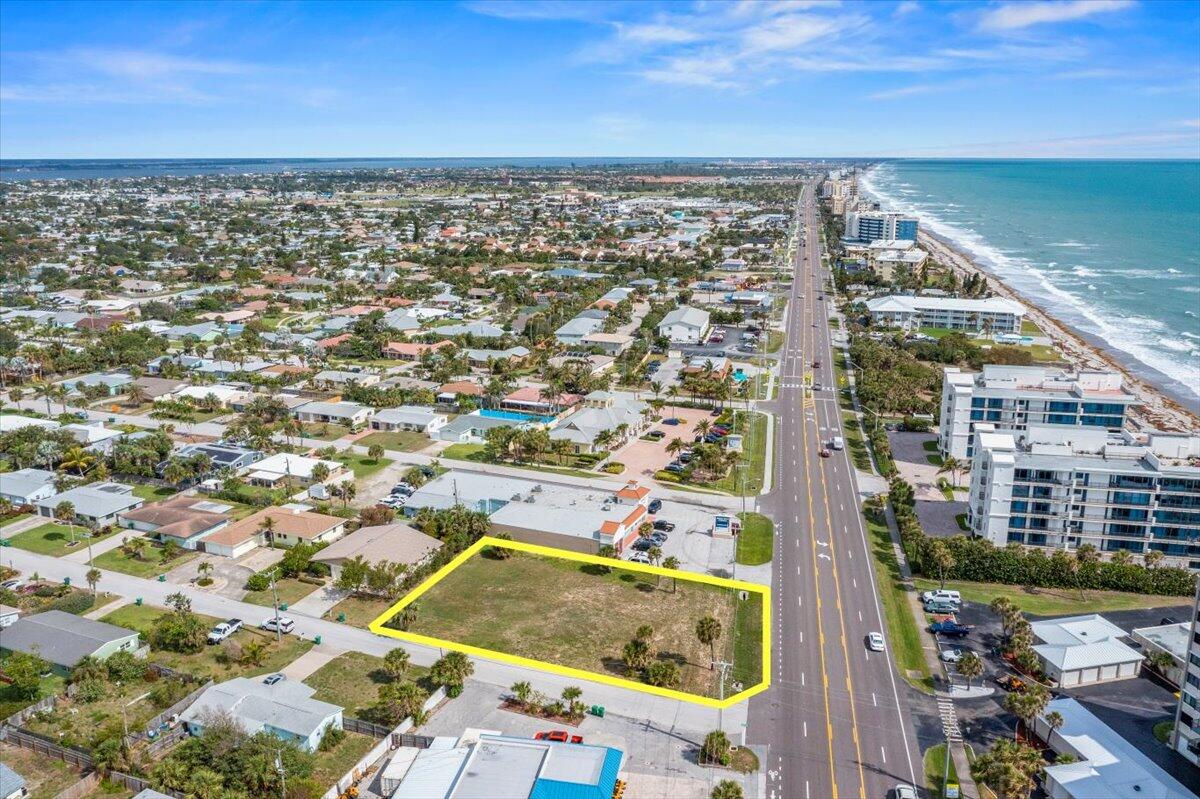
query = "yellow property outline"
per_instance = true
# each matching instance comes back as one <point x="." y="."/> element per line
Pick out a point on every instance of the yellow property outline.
<point x="377" y="627"/>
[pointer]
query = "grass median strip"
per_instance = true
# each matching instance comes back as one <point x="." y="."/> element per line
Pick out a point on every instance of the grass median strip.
<point x="893" y="594"/>
<point x="757" y="540"/>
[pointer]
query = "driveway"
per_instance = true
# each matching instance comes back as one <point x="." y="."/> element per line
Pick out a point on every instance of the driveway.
<point x="936" y="514"/>
<point x="379" y="485"/>
<point x="229" y="576"/>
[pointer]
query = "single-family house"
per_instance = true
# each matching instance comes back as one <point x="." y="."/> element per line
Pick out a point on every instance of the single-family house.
<point x="471" y="428"/>
<point x="297" y="469"/>
<point x="609" y="343"/>
<point x="412" y="350"/>
<point x="482" y="359"/>
<point x="184" y="519"/>
<point x="27" y="486"/>
<point x="96" y="504"/>
<point x="110" y="384"/>
<point x="63" y="639"/>
<point x="348" y="413"/>
<point x="155" y="387"/>
<point x="572" y="332"/>
<point x="417" y="418"/>
<point x="220" y="395"/>
<point x="12" y="784"/>
<point x="284" y="709"/>
<point x="292" y="524"/>
<point x="473" y="329"/>
<point x="339" y="378"/>
<point x="685" y="325"/>
<point x="613" y="297"/>
<point x="223" y="456"/>
<point x="530" y="399"/>
<point x="93" y="436"/>
<point x="391" y="543"/>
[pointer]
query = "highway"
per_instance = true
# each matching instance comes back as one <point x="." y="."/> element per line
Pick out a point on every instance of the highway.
<point x="834" y="721"/>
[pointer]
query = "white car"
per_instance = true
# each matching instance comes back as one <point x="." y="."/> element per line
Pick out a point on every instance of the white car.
<point x="904" y="792"/>
<point x="951" y="655"/>
<point x="875" y="642"/>
<point x="281" y="623"/>
<point x="639" y="557"/>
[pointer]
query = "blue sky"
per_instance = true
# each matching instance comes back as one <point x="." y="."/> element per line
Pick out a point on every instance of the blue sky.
<point x="1101" y="78"/>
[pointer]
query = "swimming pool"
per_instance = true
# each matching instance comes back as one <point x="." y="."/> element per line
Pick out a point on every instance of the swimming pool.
<point x="513" y="416"/>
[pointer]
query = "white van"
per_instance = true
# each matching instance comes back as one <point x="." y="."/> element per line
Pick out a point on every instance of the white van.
<point x="942" y="595"/>
<point x="837" y="443"/>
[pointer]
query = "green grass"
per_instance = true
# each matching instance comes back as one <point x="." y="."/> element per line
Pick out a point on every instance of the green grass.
<point x="754" y="452"/>
<point x="150" y="565"/>
<point x="324" y="432"/>
<point x="1162" y="730"/>
<point x="332" y="765"/>
<point x="961" y="518"/>
<point x="290" y="591"/>
<point x="1055" y="601"/>
<point x="14" y="519"/>
<point x="10" y="703"/>
<point x="53" y="539"/>
<point x="204" y="663"/>
<point x="45" y="776"/>
<point x="154" y="493"/>
<point x="475" y="454"/>
<point x="756" y="543"/>
<point x="352" y="680"/>
<point x="902" y="625"/>
<point x="578" y="629"/>
<point x="930" y="446"/>
<point x="855" y="443"/>
<point x="946" y="489"/>
<point x="774" y="340"/>
<point x="402" y="440"/>
<point x="935" y="458"/>
<point x="465" y="452"/>
<point x="935" y="763"/>
<point x="361" y="465"/>
<point x="360" y="611"/>
<point x="1029" y="328"/>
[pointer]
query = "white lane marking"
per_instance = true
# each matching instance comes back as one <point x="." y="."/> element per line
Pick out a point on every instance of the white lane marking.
<point x="806" y="789"/>
<point x="801" y="679"/>
<point x="801" y="636"/>
<point x="854" y="581"/>
<point x="797" y="570"/>
<point x="860" y="618"/>
<point x="882" y="752"/>
<point x="804" y="724"/>
<point x="823" y="555"/>
<point x="873" y="700"/>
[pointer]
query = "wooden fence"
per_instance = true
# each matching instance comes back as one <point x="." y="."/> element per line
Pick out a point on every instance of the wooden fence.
<point x="36" y="743"/>
<point x="351" y="724"/>
<point x="18" y="719"/>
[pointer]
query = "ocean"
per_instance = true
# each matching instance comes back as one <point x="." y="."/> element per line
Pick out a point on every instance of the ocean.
<point x="1112" y="248"/>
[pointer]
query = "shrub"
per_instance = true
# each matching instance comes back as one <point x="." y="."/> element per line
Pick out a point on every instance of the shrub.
<point x="667" y="477"/>
<point x="614" y="467"/>
<point x="90" y="690"/>
<point x="75" y="604"/>
<point x="258" y="582"/>
<point x="332" y="737"/>
<point x="125" y="666"/>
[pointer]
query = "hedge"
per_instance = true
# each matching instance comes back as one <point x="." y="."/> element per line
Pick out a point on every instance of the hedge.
<point x="978" y="560"/>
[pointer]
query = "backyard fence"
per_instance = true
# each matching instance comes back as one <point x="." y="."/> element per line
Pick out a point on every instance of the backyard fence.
<point x="137" y="784"/>
<point x="18" y="719"/>
<point x="36" y="743"/>
<point x="83" y="788"/>
<point x="351" y="724"/>
<point x="164" y="742"/>
<point x="162" y="718"/>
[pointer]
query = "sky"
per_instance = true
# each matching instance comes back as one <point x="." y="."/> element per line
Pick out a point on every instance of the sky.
<point x="1060" y="78"/>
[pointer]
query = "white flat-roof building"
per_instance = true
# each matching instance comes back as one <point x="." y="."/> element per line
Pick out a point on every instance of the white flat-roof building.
<point x="1186" y="736"/>
<point x="409" y="417"/>
<point x="284" y="465"/>
<point x="96" y="504"/>
<point x="1060" y="487"/>
<point x="1170" y="639"/>
<point x="685" y="325"/>
<point x="1014" y="397"/>
<point x="1081" y="650"/>
<point x="577" y="518"/>
<point x="1106" y="766"/>
<point x="995" y="314"/>
<point x="347" y="413"/>
<point x="27" y="486"/>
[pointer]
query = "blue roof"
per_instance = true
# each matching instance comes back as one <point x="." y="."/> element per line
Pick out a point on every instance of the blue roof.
<point x="11" y="781"/>
<point x="602" y="789"/>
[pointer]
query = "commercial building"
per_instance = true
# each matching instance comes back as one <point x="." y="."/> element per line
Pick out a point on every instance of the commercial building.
<point x="1014" y="397"/>
<point x="578" y="518"/>
<point x="868" y="226"/>
<point x="1185" y="738"/>
<point x="994" y="315"/>
<point x="1104" y="764"/>
<point x="622" y="415"/>
<point x="486" y="764"/>
<point x="284" y="709"/>
<point x="1082" y="650"/>
<point x="1060" y="487"/>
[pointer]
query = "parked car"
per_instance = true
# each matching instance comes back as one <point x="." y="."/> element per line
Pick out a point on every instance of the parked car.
<point x="950" y="655"/>
<point x="281" y="623"/>
<point x="942" y="595"/>
<point x="428" y="471"/>
<point x="656" y="435"/>
<point x="951" y="628"/>
<point x="15" y="584"/>
<point x="675" y="467"/>
<point x="1010" y="682"/>
<point x="272" y="679"/>
<point x="658" y="537"/>
<point x="939" y="607"/>
<point x="875" y="642"/>
<point x="561" y="736"/>
<point x="685" y="456"/>
<point x="643" y="545"/>
<point x="639" y="557"/>
<point x="655" y="506"/>
<point x="904" y="792"/>
<point x="223" y="630"/>
<point x="664" y="525"/>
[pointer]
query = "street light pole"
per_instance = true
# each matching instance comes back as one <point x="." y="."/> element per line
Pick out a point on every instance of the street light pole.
<point x="278" y="621"/>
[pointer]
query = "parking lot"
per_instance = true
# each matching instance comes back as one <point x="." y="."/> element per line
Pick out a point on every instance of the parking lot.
<point x="692" y="542"/>
<point x="643" y="458"/>
<point x="730" y="347"/>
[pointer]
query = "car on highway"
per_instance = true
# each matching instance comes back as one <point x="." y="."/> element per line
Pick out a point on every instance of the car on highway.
<point x="223" y="630"/>
<point x="903" y="791"/>
<point x="655" y="506"/>
<point x="816" y="364"/>
<point x="950" y="655"/>
<point x="664" y="525"/>
<point x="281" y="623"/>
<point x="875" y="642"/>
<point x="824" y="452"/>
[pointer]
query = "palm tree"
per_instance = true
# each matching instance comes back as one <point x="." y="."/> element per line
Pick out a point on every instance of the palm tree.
<point x="708" y="630"/>
<point x="375" y="452"/>
<point x="65" y="512"/>
<point x="1027" y="705"/>
<point x="136" y="395"/>
<point x="346" y="492"/>
<point x="93" y="579"/>
<point x="671" y="563"/>
<point x="1152" y="558"/>
<point x="396" y="662"/>
<point x="77" y="458"/>
<point x="703" y="426"/>
<point x="521" y="692"/>
<point x="320" y="473"/>
<point x="1055" y="720"/>
<point x="675" y="446"/>
<point x="655" y="554"/>
<point x="951" y="465"/>
<point x="267" y="528"/>
<point x="942" y="557"/>
<point x="969" y="666"/>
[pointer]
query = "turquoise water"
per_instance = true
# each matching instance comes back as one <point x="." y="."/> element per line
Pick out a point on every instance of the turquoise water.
<point x="1110" y="247"/>
<point x="514" y="416"/>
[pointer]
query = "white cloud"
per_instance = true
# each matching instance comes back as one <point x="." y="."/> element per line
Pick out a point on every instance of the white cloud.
<point x="711" y="71"/>
<point x="906" y="7"/>
<point x="657" y="33"/>
<point x="1015" y="16"/>
<point x="788" y="32"/>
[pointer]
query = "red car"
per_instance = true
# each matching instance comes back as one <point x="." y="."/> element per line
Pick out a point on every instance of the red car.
<point x="824" y="453"/>
<point x="558" y="736"/>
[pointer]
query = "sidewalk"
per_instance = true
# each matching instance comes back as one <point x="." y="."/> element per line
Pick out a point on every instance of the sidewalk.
<point x="99" y="548"/>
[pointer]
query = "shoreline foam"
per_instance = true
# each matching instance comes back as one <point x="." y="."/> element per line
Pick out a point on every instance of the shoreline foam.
<point x="1162" y="407"/>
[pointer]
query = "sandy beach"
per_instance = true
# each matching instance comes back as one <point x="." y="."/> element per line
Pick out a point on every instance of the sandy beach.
<point x="1157" y="410"/>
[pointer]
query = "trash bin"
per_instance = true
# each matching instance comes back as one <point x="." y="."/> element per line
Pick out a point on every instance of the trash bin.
<point x="597" y="710"/>
<point x="317" y="640"/>
<point x="162" y="578"/>
<point x="138" y="601"/>
<point x="66" y="581"/>
<point x="341" y="617"/>
<point x="283" y="606"/>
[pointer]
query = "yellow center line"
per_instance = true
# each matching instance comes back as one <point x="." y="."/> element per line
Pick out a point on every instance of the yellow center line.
<point x="862" y="781"/>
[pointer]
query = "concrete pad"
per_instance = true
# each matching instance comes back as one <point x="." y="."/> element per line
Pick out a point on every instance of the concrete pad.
<point x="654" y="786"/>
<point x="310" y="661"/>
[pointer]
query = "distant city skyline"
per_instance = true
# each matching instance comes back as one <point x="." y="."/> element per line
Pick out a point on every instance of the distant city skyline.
<point x="1076" y="78"/>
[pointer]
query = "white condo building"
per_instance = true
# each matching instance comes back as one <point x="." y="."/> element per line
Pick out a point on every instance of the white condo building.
<point x="1060" y="487"/>
<point x="993" y="315"/>
<point x="1014" y="397"/>
<point x="1186" y="737"/>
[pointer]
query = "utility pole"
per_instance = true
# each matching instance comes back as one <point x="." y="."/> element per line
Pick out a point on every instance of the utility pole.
<point x="282" y="774"/>
<point x="722" y="667"/>
<point x="278" y="621"/>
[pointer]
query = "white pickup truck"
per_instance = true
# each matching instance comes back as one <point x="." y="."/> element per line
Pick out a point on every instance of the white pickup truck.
<point x="223" y="630"/>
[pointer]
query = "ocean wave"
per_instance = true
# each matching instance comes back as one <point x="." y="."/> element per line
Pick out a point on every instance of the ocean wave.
<point x="1082" y="271"/>
<point x="1174" y="271"/>
<point x="1175" y="344"/>
<point x="1134" y="335"/>
<point x="1073" y="244"/>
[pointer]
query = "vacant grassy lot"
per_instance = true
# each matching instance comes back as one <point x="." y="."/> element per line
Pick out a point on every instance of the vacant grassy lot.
<point x="359" y="611"/>
<point x="53" y="539"/>
<point x="361" y="465"/>
<point x="323" y="432"/>
<point x="756" y="543"/>
<point x="402" y="440"/>
<point x="205" y="663"/>
<point x="290" y="591"/>
<point x="332" y="765"/>
<point x="352" y="680"/>
<point x="10" y="702"/>
<point x="150" y="564"/>
<point x="561" y="611"/>
<point x="153" y="493"/>
<point x="45" y="776"/>
<point x="1055" y="601"/>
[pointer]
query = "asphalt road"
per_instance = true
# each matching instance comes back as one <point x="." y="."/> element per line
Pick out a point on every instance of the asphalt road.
<point x="833" y="721"/>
